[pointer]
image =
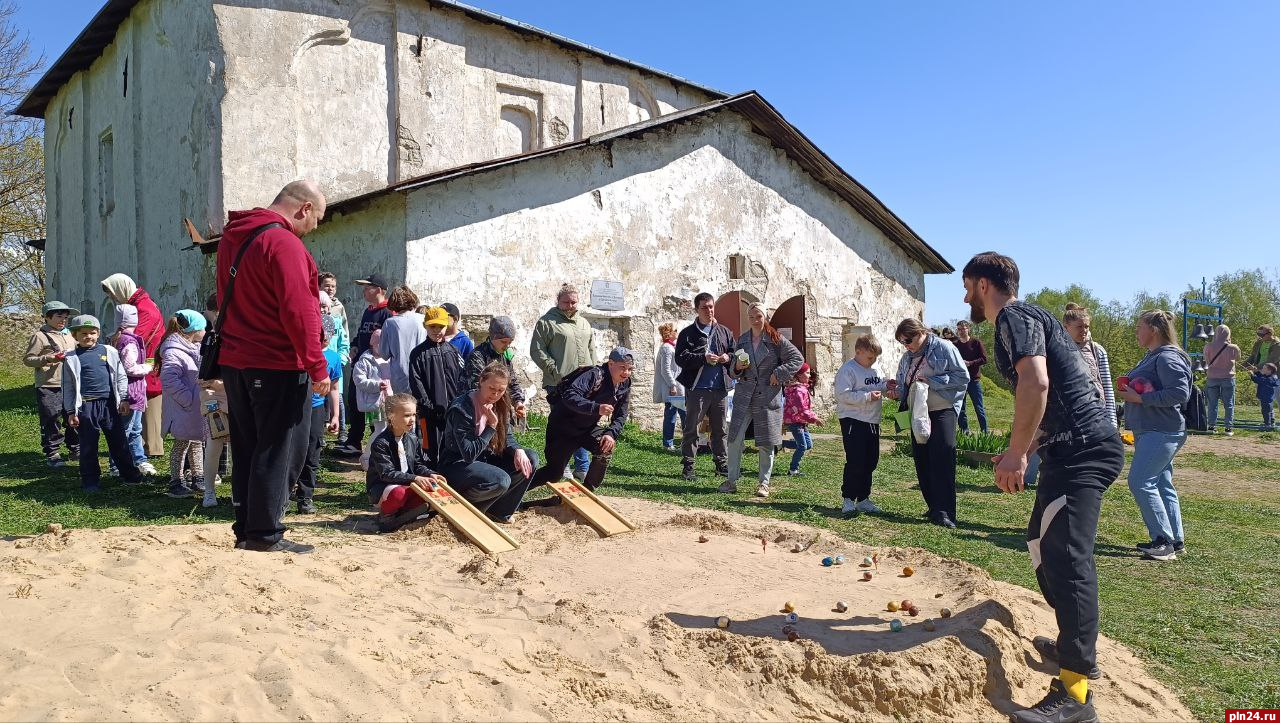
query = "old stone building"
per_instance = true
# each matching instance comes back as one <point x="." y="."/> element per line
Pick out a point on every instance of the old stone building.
<point x="482" y="161"/>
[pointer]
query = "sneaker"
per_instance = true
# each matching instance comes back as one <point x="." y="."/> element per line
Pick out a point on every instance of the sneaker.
<point x="568" y="473"/>
<point x="1230" y="433"/>
<point x="580" y="475"/>
<point x="1144" y="546"/>
<point x="209" y="500"/>
<point x="794" y="473"/>
<point x="147" y="468"/>
<point x="762" y="490"/>
<point x="1163" y="552"/>
<point x="306" y="506"/>
<point x="729" y="487"/>
<point x="671" y="447"/>
<point x="868" y="506"/>
<point x="722" y="470"/>
<point x="346" y="450"/>
<point x="1058" y="706"/>
<point x="942" y="520"/>
<point x="391" y="523"/>
<point x="1048" y="649"/>
<point x="178" y="490"/>
<point x="197" y="484"/>
<point x="850" y="507"/>
<point x="57" y="463"/>
<point x="281" y="546"/>
<point x="689" y="474"/>
<point x="217" y="480"/>
<point x="1179" y="547"/>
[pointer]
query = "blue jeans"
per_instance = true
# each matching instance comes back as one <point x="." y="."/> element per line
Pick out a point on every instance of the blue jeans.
<point x="1032" y="475"/>
<point x="1268" y="413"/>
<point x="803" y="443"/>
<point x="1224" y="389"/>
<point x="975" y="393"/>
<point x="1151" y="481"/>
<point x="133" y="433"/>
<point x="581" y="459"/>
<point x="669" y="414"/>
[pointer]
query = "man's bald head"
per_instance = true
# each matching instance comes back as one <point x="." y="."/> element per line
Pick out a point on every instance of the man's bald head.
<point x="302" y="203"/>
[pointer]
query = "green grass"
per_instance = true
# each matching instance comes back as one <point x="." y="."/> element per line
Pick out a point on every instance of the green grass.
<point x="1207" y="625"/>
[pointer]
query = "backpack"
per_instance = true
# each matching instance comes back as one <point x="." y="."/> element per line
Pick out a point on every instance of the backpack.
<point x="554" y="396"/>
<point x="1195" y="411"/>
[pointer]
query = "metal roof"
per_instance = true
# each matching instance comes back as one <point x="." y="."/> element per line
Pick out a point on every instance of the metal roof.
<point x="764" y="118"/>
<point x="101" y="32"/>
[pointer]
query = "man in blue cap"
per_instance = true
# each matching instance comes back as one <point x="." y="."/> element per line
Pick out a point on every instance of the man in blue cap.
<point x="582" y="400"/>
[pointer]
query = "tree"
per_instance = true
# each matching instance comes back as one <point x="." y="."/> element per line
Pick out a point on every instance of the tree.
<point x="1250" y="298"/>
<point x="22" y="202"/>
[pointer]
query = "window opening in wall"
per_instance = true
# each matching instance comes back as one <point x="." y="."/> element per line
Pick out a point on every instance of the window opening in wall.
<point x="126" y="76"/>
<point x="737" y="266"/>
<point x="106" y="173"/>
<point x="71" y="117"/>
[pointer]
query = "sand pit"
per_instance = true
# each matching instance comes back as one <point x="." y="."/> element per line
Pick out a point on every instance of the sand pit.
<point x="170" y="623"/>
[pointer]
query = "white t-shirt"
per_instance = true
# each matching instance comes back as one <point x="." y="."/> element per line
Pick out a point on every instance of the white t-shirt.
<point x="404" y="458"/>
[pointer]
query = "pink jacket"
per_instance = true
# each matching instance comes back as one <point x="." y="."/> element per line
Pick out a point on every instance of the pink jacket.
<point x="797" y="408"/>
<point x="133" y="356"/>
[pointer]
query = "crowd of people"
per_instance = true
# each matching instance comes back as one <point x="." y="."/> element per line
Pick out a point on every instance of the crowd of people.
<point x="270" y="367"/>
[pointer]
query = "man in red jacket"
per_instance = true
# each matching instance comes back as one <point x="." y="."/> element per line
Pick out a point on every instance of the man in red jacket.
<point x="271" y="357"/>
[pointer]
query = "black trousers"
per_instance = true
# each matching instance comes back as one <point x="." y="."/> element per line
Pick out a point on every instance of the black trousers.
<point x="1060" y="538"/>
<point x="312" y="443"/>
<point x="53" y="422"/>
<point x="268" y="410"/>
<point x="99" y="416"/>
<point x="355" y="417"/>
<point x="936" y="464"/>
<point x="560" y="446"/>
<point x="861" y="457"/>
<point x="491" y="483"/>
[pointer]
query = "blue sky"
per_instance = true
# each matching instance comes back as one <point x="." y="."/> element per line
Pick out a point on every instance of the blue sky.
<point x="1125" y="146"/>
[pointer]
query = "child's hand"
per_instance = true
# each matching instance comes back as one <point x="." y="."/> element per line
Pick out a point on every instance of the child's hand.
<point x="147" y="369"/>
<point x="332" y="426"/>
<point x="385" y="386"/>
<point x="427" y="482"/>
<point x="74" y="421"/>
<point x="875" y="396"/>
<point x="520" y="410"/>
<point x="125" y="407"/>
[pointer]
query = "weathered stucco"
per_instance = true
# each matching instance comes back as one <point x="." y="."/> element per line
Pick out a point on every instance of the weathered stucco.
<point x="229" y="100"/>
<point x="406" y="88"/>
<point x="119" y="206"/>
<point x="661" y="213"/>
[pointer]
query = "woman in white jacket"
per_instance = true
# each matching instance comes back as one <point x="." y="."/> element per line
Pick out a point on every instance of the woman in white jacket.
<point x="859" y="395"/>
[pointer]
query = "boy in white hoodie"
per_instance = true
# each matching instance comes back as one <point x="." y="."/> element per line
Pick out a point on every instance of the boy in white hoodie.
<point x="859" y="392"/>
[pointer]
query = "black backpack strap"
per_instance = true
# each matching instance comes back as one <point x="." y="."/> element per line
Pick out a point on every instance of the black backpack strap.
<point x="235" y="265"/>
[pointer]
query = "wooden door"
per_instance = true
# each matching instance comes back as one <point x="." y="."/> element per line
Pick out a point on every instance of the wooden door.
<point x="789" y="320"/>
<point x="731" y="310"/>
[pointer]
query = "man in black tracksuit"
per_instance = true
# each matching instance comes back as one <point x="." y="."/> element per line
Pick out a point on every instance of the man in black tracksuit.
<point x="1081" y="455"/>
<point x="594" y="393"/>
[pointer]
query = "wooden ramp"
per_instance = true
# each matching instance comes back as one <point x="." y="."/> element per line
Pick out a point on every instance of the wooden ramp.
<point x="597" y="512"/>
<point x="466" y="519"/>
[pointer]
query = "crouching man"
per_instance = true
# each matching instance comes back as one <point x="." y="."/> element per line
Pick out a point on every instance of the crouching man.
<point x="581" y="401"/>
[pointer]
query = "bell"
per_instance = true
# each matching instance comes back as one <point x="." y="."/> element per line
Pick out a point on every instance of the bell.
<point x="1201" y="332"/>
<point x="1200" y="366"/>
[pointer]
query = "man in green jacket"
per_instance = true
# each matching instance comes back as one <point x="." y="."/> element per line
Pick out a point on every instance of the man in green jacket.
<point x="562" y="342"/>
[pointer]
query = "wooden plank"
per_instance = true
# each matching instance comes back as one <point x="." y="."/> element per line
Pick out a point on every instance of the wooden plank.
<point x="597" y="512"/>
<point x="465" y="518"/>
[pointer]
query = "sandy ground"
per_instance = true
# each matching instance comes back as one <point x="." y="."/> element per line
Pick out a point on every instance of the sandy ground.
<point x="168" y="623"/>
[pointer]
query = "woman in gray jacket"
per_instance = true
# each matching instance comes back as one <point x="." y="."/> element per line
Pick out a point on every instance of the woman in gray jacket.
<point x="936" y="362"/>
<point x="665" y="386"/>
<point x="1154" y="393"/>
<point x="763" y="364"/>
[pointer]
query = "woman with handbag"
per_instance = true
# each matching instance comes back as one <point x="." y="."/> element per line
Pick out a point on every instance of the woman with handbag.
<point x="936" y="363"/>
<point x="762" y="365"/>
<point x="1220" y="378"/>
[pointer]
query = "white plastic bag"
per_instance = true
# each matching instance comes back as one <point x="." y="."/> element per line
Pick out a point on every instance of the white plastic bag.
<point x="918" y="403"/>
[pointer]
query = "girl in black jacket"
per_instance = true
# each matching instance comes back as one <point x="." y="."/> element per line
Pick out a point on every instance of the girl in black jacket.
<point x="396" y="459"/>
<point x="478" y="454"/>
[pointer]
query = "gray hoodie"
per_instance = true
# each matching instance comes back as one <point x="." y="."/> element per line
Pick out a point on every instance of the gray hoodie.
<point x="1169" y="371"/>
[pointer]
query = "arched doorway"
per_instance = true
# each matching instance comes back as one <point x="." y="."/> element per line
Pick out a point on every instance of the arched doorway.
<point x="731" y="310"/>
<point x="789" y="320"/>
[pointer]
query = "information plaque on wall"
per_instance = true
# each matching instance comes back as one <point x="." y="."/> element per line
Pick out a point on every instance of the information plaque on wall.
<point x="606" y="295"/>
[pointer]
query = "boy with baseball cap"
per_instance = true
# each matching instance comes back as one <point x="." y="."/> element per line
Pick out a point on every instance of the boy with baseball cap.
<point x="95" y="393"/>
<point x="45" y="352"/>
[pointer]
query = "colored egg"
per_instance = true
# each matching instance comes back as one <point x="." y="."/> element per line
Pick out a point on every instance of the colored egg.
<point x="894" y="606"/>
<point x="722" y="622"/>
<point x="841" y="606"/>
<point x="895" y="625"/>
<point x="946" y="612"/>
<point x="788" y="606"/>
<point x="908" y="571"/>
